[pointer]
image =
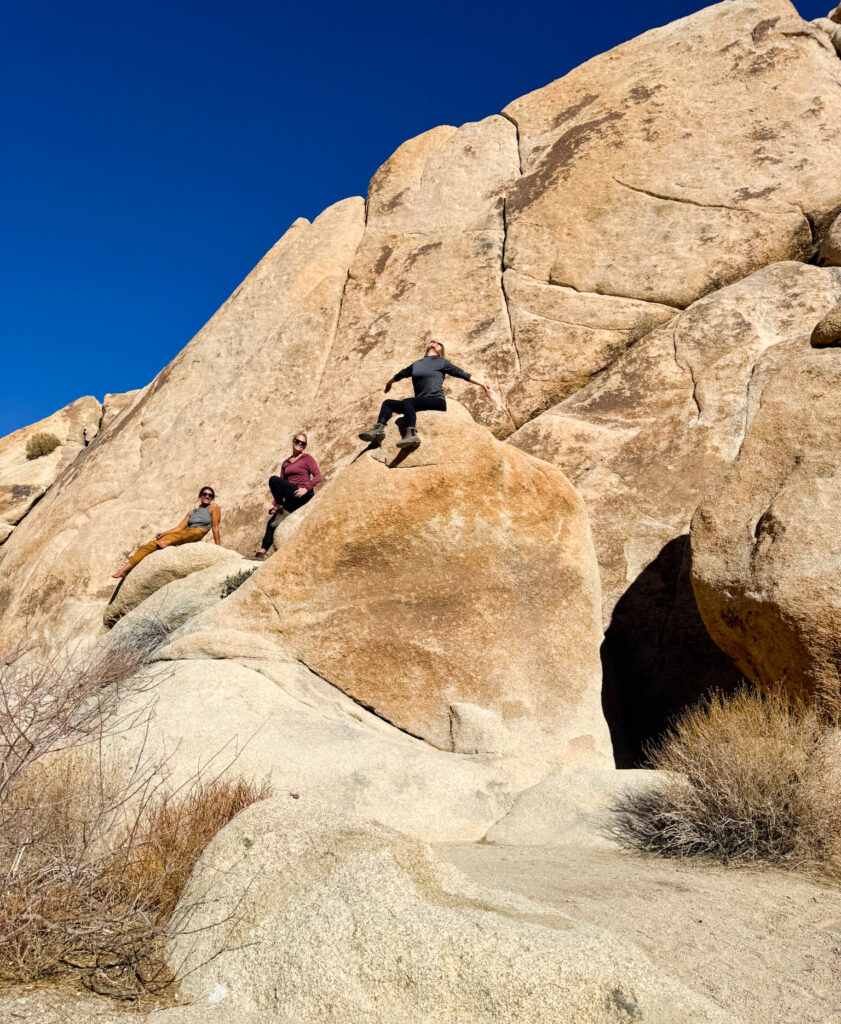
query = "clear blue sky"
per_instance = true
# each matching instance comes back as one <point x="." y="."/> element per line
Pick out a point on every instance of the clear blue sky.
<point x="151" y="153"/>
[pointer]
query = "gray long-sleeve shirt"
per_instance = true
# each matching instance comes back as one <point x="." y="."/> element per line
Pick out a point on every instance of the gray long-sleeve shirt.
<point x="428" y="375"/>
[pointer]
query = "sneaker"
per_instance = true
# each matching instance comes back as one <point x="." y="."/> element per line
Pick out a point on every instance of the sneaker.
<point x="410" y="439"/>
<point x="375" y="435"/>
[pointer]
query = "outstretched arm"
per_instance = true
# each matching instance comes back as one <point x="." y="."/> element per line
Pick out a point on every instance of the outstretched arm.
<point x="215" y="520"/>
<point x="181" y="526"/>
<point x="456" y="371"/>
<point x="480" y="384"/>
<point x="400" y="375"/>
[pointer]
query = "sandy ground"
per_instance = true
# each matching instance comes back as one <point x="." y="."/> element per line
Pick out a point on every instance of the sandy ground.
<point x="762" y="943"/>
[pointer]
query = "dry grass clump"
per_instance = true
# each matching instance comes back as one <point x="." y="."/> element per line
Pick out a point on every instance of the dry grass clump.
<point x="751" y="777"/>
<point x="94" y="850"/>
<point x="40" y="444"/>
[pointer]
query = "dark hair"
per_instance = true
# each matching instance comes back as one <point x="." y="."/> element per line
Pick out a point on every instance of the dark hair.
<point x="207" y="487"/>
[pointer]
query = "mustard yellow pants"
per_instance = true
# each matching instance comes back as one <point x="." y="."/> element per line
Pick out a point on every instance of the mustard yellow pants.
<point x="169" y="540"/>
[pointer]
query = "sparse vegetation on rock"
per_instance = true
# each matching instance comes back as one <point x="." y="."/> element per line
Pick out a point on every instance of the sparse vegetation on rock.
<point x="234" y="582"/>
<point x="94" y="850"/>
<point x="40" y="444"/>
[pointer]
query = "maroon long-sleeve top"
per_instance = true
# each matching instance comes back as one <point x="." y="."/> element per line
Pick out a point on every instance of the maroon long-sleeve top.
<point x="303" y="472"/>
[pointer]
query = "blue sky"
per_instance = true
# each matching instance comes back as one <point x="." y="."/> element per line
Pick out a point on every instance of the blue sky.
<point x="153" y="152"/>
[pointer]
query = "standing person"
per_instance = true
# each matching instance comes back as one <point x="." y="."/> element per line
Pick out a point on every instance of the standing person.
<point x="193" y="527"/>
<point x="428" y="383"/>
<point x="299" y="474"/>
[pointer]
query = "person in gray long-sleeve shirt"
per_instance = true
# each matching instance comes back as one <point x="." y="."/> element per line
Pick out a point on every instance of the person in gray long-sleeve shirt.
<point x="428" y="383"/>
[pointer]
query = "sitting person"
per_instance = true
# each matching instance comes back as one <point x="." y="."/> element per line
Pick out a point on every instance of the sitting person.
<point x="193" y="527"/>
<point x="428" y="383"/>
<point x="299" y="474"/>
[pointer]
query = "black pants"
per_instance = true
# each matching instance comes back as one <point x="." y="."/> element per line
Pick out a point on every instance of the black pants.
<point x="408" y="407"/>
<point x="285" y="498"/>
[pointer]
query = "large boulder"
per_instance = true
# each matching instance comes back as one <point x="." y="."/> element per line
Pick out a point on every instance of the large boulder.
<point x="646" y="175"/>
<point x="766" y="541"/>
<point x="460" y="574"/>
<point x="643" y="444"/>
<point x="333" y="920"/>
<point x="163" y="567"/>
<point x="23" y="480"/>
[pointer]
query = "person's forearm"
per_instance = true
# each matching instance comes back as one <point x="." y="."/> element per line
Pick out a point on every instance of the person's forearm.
<point x="216" y="537"/>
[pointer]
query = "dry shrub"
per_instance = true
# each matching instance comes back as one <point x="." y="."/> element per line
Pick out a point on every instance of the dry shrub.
<point x="751" y="777"/>
<point x="94" y="851"/>
<point x="40" y="444"/>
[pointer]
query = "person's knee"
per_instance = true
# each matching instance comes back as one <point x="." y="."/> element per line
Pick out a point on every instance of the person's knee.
<point x="274" y="480"/>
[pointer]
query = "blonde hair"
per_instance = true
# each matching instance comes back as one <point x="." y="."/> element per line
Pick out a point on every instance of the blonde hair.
<point x="434" y="341"/>
<point x="300" y="433"/>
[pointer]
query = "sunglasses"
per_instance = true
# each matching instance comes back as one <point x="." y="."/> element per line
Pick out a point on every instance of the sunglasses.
<point x="295" y="440"/>
<point x="207" y="494"/>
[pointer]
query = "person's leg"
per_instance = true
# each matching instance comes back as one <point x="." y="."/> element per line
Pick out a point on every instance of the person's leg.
<point x="294" y="503"/>
<point x="376" y="433"/>
<point x="281" y="490"/>
<point x="389" y="407"/>
<point x="268" y="536"/>
<point x="142" y="552"/>
<point x="412" y="406"/>
<point x="190" y="535"/>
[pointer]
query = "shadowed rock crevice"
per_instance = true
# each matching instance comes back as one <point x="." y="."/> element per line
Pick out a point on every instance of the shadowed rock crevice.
<point x="657" y="656"/>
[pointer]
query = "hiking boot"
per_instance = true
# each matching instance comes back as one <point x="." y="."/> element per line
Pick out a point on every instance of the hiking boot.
<point x="410" y="439"/>
<point x="375" y="436"/>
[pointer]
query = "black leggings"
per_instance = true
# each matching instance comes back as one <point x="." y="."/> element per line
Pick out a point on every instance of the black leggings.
<point x="285" y="498"/>
<point x="408" y="407"/>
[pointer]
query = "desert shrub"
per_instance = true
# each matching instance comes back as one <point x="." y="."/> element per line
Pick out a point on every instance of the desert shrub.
<point x="750" y="777"/>
<point x="40" y="444"/>
<point x="235" y="581"/>
<point x="95" y="848"/>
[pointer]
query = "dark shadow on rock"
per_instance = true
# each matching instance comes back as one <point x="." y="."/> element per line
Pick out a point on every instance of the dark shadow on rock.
<point x="657" y="655"/>
<point x="117" y="590"/>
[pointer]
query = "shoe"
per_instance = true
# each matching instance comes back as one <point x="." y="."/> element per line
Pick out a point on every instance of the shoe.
<point x="410" y="439"/>
<point x="375" y="436"/>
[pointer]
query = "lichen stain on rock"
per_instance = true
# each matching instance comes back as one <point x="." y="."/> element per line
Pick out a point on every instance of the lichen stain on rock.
<point x="568" y="113"/>
<point x="556" y="161"/>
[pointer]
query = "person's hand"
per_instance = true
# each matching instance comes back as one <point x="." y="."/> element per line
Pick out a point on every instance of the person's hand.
<point x="300" y="492"/>
<point x="487" y="390"/>
<point x="158" y="536"/>
<point x="387" y="388"/>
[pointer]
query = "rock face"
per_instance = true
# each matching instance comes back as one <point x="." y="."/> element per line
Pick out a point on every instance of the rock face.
<point x="463" y="573"/>
<point x="766" y="554"/>
<point x="23" y="481"/>
<point x="644" y="443"/>
<point x="345" y="921"/>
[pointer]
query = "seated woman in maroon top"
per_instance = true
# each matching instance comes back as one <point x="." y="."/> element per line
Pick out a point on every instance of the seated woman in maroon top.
<point x="293" y="488"/>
